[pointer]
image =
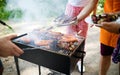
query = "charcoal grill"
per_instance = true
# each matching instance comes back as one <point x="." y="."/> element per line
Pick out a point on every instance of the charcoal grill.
<point x="54" y="58"/>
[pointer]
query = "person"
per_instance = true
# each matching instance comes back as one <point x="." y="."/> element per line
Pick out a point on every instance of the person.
<point x="108" y="40"/>
<point x="7" y="48"/>
<point x="113" y="27"/>
<point x="79" y="9"/>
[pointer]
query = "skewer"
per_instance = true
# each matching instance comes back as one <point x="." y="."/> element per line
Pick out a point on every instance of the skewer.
<point x="3" y="23"/>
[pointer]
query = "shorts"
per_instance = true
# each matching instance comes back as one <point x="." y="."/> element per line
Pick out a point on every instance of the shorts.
<point x="106" y="50"/>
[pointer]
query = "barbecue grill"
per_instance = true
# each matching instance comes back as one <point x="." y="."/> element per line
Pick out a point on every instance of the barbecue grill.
<point x="52" y="57"/>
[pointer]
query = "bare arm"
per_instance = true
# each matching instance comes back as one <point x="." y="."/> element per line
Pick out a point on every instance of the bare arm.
<point x="111" y="27"/>
<point x="87" y="9"/>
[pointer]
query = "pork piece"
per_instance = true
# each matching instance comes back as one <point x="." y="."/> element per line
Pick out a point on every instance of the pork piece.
<point x="68" y="42"/>
<point x="42" y="42"/>
<point x="25" y="39"/>
<point x="69" y="38"/>
<point x="97" y="19"/>
<point x="54" y="35"/>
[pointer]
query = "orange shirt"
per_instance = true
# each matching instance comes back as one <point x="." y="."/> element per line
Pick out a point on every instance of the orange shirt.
<point x="107" y="38"/>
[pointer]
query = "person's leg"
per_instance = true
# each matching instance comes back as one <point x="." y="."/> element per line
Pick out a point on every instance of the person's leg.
<point x="105" y="59"/>
<point x="105" y="62"/>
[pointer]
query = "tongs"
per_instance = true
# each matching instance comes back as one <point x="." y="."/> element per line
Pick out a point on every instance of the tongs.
<point x="3" y="23"/>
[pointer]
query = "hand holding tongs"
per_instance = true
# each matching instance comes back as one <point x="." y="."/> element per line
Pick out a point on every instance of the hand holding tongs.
<point x="3" y="23"/>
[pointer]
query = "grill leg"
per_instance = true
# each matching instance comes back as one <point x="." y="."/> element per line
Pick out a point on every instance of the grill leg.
<point x="82" y="66"/>
<point x="39" y="70"/>
<point x="17" y="65"/>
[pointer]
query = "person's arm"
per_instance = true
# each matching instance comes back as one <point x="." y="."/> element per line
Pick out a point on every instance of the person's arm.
<point x="91" y="6"/>
<point x="111" y="27"/>
<point x="87" y="10"/>
<point x="8" y="48"/>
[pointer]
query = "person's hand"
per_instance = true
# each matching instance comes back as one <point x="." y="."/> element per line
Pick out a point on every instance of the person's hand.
<point x="110" y="26"/>
<point x="7" y="48"/>
<point x="74" y="21"/>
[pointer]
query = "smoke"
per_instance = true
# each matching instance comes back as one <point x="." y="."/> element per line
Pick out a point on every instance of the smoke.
<point x="33" y="13"/>
<point x="36" y="10"/>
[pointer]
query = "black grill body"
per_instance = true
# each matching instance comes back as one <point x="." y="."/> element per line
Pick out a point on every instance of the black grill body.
<point x="61" y="62"/>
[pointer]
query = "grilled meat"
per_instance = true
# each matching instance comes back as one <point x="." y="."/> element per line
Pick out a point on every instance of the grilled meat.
<point x="97" y="19"/>
<point x="68" y="42"/>
<point x="25" y="39"/>
<point x="51" y="40"/>
<point x="42" y="42"/>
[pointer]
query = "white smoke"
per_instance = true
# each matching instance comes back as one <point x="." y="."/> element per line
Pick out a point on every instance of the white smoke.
<point x="35" y="13"/>
<point x="37" y="10"/>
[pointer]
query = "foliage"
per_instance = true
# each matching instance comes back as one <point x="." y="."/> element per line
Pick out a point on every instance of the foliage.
<point x="100" y="6"/>
<point x="15" y="13"/>
<point x="101" y="3"/>
<point x="5" y="14"/>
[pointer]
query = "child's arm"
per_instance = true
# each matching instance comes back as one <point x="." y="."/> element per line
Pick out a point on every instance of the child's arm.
<point x="87" y="10"/>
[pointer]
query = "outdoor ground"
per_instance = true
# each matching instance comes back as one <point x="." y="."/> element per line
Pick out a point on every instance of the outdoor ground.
<point x="91" y="60"/>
